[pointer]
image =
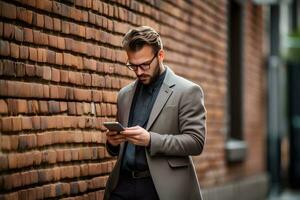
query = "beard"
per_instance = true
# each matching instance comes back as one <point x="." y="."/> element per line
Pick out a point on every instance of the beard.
<point x="147" y="79"/>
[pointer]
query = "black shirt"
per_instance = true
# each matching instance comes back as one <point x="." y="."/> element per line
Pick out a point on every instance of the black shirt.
<point x="142" y="104"/>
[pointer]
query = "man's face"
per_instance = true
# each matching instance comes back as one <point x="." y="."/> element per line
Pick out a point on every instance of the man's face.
<point x="145" y="56"/>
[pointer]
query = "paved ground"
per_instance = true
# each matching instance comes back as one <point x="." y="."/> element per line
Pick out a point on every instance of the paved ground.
<point x="287" y="195"/>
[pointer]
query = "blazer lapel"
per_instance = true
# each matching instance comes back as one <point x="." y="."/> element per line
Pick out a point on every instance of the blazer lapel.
<point x="126" y="104"/>
<point x="125" y="111"/>
<point x="162" y="97"/>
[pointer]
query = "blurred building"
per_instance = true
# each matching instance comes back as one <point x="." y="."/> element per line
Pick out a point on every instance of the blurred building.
<point x="62" y="66"/>
<point x="283" y="94"/>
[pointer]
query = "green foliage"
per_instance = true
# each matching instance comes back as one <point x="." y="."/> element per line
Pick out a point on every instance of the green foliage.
<point x="292" y="51"/>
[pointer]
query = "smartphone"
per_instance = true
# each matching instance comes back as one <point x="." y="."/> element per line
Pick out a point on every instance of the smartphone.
<point x="114" y="126"/>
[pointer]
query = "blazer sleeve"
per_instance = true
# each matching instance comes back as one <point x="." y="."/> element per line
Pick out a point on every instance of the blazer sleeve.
<point x="114" y="150"/>
<point x="192" y="128"/>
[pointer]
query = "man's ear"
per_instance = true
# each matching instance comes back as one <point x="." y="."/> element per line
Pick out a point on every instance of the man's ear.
<point x="161" y="55"/>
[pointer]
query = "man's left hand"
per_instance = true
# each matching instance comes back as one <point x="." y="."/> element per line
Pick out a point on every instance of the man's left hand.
<point x="137" y="135"/>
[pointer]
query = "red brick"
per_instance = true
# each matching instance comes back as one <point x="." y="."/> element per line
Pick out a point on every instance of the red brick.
<point x="14" y="141"/>
<point x="62" y="92"/>
<point x="98" y="110"/>
<point x="30" y="70"/>
<point x="26" y="123"/>
<point x="22" y="106"/>
<point x="90" y="33"/>
<point x="50" y="56"/>
<point x="54" y="92"/>
<point x="31" y="3"/>
<point x="81" y="31"/>
<point x="46" y="91"/>
<point x="58" y="58"/>
<point x="44" y="39"/>
<point x="89" y="64"/>
<point x="52" y="41"/>
<point x="91" y="51"/>
<point x="33" y="106"/>
<point x="8" y="31"/>
<point x="71" y="108"/>
<point x="49" y="191"/>
<point x="44" y="5"/>
<point x="4" y="162"/>
<point x="12" y="160"/>
<point x="39" y="190"/>
<point x="4" y="48"/>
<point x="28" y="15"/>
<point x="48" y="23"/>
<point x="7" y="124"/>
<point x="44" y="139"/>
<point x="87" y="80"/>
<point x="99" y="20"/>
<point x="40" y="54"/>
<point x="72" y="77"/>
<point x="37" y="37"/>
<point x="55" y="75"/>
<point x="21" y="14"/>
<point x="79" y="79"/>
<point x="92" y="18"/>
<point x="79" y="108"/>
<point x="32" y="193"/>
<point x="8" y="10"/>
<point x="33" y="54"/>
<point x="3" y="107"/>
<point x="24" y="52"/>
<point x="18" y="34"/>
<point x="40" y="20"/>
<point x="54" y="107"/>
<point x="5" y="143"/>
<point x="82" y="94"/>
<point x="43" y="106"/>
<point x="28" y="35"/>
<point x="63" y="106"/>
<point x="20" y="69"/>
<point x="61" y="43"/>
<point x="86" y="108"/>
<point x="65" y="27"/>
<point x="36" y="122"/>
<point x="67" y="58"/>
<point x="56" y="24"/>
<point x="46" y="73"/>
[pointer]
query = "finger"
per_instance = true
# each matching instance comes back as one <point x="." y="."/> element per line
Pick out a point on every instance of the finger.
<point x="115" y="137"/>
<point x="132" y="128"/>
<point x="111" y="133"/>
<point x="131" y="132"/>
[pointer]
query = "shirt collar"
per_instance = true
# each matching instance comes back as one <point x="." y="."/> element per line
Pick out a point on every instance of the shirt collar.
<point x="156" y="83"/>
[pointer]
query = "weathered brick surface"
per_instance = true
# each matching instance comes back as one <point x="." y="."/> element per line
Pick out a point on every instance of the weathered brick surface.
<point x="61" y="68"/>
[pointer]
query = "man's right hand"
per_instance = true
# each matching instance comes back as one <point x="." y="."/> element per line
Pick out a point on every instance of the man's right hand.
<point x="114" y="138"/>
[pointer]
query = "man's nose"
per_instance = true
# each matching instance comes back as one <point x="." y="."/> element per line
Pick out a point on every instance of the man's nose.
<point x="139" y="71"/>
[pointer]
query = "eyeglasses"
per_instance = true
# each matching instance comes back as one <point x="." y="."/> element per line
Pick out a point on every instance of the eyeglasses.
<point x="143" y="66"/>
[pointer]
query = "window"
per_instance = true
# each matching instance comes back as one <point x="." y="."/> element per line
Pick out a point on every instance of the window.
<point x="235" y="146"/>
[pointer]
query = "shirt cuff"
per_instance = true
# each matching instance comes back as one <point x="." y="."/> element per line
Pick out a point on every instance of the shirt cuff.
<point x="112" y="150"/>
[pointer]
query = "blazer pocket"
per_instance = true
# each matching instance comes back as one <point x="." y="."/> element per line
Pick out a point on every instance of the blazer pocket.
<point x="178" y="162"/>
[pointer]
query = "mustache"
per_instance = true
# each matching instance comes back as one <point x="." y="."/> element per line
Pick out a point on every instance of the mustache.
<point x="143" y="76"/>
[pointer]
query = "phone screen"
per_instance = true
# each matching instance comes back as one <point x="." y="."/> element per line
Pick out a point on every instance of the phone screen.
<point x="114" y="126"/>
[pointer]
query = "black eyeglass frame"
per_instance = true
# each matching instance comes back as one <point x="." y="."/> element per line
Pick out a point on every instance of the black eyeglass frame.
<point x="144" y="66"/>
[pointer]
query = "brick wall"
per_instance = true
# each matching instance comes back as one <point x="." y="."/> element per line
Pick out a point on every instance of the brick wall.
<point x="61" y="68"/>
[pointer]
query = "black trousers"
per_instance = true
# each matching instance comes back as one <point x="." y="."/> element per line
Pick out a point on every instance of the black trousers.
<point x="131" y="189"/>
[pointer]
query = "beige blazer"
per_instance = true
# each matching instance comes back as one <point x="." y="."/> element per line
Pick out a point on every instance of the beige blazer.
<point x="177" y="125"/>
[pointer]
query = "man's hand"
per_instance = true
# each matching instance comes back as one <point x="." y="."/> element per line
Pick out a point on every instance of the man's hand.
<point x="115" y="138"/>
<point x="137" y="135"/>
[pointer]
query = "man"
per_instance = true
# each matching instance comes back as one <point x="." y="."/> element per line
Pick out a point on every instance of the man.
<point x="165" y="116"/>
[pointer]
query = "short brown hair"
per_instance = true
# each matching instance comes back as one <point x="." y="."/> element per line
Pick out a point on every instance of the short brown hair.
<point x="136" y="38"/>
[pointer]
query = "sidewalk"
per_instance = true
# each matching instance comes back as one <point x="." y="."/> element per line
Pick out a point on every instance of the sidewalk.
<point x="287" y="195"/>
